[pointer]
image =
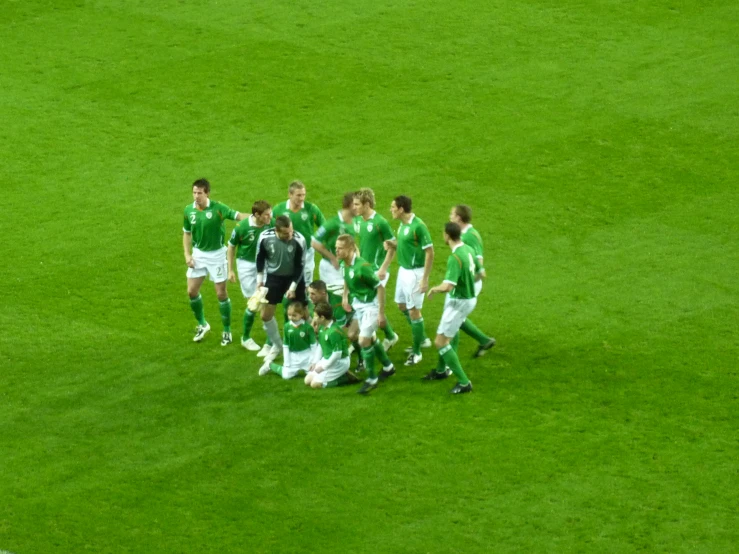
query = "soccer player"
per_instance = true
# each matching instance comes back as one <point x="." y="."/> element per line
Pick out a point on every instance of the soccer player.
<point x="372" y="231"/>
<point x="242" y="246"/>
<point x="306" y="217"/>
<point x="319" y="292"/>
<point x="462" y="270"/>
<point x="203" y="240"/>
<point x="280" y="252"/>
<point x="461" y="214"/>
<point x="415" y="257"/>
<point x="331" y="369"/>
<point x="366" y="293"/>
<point x="324" y="242"/>
<point x="298" y="346"/>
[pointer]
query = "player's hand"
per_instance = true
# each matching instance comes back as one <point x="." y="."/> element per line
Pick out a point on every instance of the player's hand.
<point x="347" y="307"/>
<point x="311" y="367"/>
<point x="381" y="274"/>
<point x="388" y="244"/>
<point x="189" y="262"/>
<point x="290" y="294"/>
<point x="232" y="276"/>
<point x="424" y="286"/>
<point x="381" y="320"/>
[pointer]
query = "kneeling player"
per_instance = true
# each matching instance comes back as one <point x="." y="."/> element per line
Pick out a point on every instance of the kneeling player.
<point x="332" y="368"/>
<point x="299" y="345"/>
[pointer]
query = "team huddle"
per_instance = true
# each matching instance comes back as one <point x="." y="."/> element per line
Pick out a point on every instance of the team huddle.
<point x="271" y="253"/>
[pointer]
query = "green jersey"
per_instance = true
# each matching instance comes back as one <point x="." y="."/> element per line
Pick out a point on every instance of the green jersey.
<point x="471" y="237"/>
<point x="360" y="279"/>
<point x="333" y="339"/>
<point x="461" y="268"/>
<point x="331" y="229"/>
<point x="413" y="240"/>
<point x="208" y="226"/>
<point x="299" y="337"/>
<point x="307" y="218"/>
<point x="372" y="233"/>
<point x="245" y="236"/>
<point x="335" y="301"/>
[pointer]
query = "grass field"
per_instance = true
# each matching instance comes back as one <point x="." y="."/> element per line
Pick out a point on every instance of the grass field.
<point x="597" y="143"/>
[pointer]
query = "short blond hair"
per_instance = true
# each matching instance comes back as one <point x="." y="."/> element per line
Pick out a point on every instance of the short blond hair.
<point x="366" y="196"/>
<point x="295" y="185"/>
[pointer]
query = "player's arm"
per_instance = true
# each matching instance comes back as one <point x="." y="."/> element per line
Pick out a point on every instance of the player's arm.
<point x="345" y="299"/>
<point x="230" y="256"/>
<point x="298" y="272"/>
<point x="453" y="267"/>
<point x="428" y="263"/>
<point x="241" y="215"/>
<point x="187" y="246"/>
<point x="261" y="260"/>
<point x="381" y="319"/>
<point x="325" y="252"/>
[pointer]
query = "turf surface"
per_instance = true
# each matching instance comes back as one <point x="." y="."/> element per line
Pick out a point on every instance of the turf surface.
<point x="597" y="144"/>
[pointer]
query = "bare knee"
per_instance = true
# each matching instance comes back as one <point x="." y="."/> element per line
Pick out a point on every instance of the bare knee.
<point x="441" y="341"/>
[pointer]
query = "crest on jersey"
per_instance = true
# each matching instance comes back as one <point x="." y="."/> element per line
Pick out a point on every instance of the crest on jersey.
<point x="406" y="230"/>
<point x="351" y="274"/>
<point x="302" y="333"/>
<point x="290" y="248"/>
<point x="304" y="217"/>
<point x="369" y="227"/>
<point x="209" y="215"/>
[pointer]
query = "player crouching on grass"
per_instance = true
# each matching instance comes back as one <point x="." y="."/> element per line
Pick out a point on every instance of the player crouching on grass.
<point x="299" y="345"/>
<point x="367" y="295"/>
<point x="462" y="270"/>
<point x="331" y="368"/>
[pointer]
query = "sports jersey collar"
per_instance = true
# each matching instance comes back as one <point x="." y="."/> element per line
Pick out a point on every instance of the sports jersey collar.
<point x="411" y="218"/>
<point x="466" y="227"/>
<point x="372" y="216"/>
<point x="354" y="259"/>
<point x="298" y="324"/>
<point x="195" y="205"/>
<point x="457" y="246"/>
<point x="289" y="204"/>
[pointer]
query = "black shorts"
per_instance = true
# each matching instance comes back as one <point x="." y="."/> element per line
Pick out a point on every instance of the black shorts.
<point x="278" y="285"/>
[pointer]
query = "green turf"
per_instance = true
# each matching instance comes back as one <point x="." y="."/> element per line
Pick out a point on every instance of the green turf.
<point x="596" y="142"/>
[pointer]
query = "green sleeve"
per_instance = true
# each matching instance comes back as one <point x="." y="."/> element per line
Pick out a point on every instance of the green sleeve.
<point x="336" y="342"/>
<point x="369" y="276"/>
<point x="386" y="231"/>
<point x="226" y="212"/>
<point x="235" y="239"/>
<point x="325" y="230"/>
<point x="453" y="269"/>
<point x="424" y="238"/>
<point x="318" y="218"/>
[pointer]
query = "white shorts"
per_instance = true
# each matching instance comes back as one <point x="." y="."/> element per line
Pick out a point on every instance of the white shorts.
<point x="332" y="277"/>
<point x="334" y="372"/>
<point x="406" y="288"/>
<point x="212" y="264"/>
<point x="384" y="281"/>
<point x="295" y="361"/>
<point x="478" y="287"/>
<point x="309" y="261"/>
<point x="247" y="277"/>
<point x="366" y="316"/>
<point x="456" y="311"/>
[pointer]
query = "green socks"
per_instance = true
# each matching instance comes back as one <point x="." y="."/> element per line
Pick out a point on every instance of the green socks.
<point x="368" y="355"/>
<point x="341" y="380"/>
<point x="381" y="354"/>
<point x="196" y="304"/>
<point x="407" y="315"/>
<point x="276" y="368"/>
<point x="388" y="330"/>
<point x="248" y="323"/>
<point x="225" y="308"/>
<point x="472" y="330"/>
<point x="419" y="334"/>
<point x="452" y="360"/>
<point x="455" y="342"/>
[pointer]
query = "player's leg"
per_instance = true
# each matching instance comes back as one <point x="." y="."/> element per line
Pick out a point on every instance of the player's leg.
<point x="248" y="280"/>
<point x="195" y="278"/>
<point x="367" y="320"/>
<point x="455" y="312"/>
<point x="391" y="337"/>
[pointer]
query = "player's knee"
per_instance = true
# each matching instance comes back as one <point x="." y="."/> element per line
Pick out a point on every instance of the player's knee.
<point x="316" y="384"/>
<point x="308" y="379"/>
<point x="402" y="307"/>
<point x="364" y="342"/>
<point x="415" y="313"/>
<point x="441" y="341"/>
